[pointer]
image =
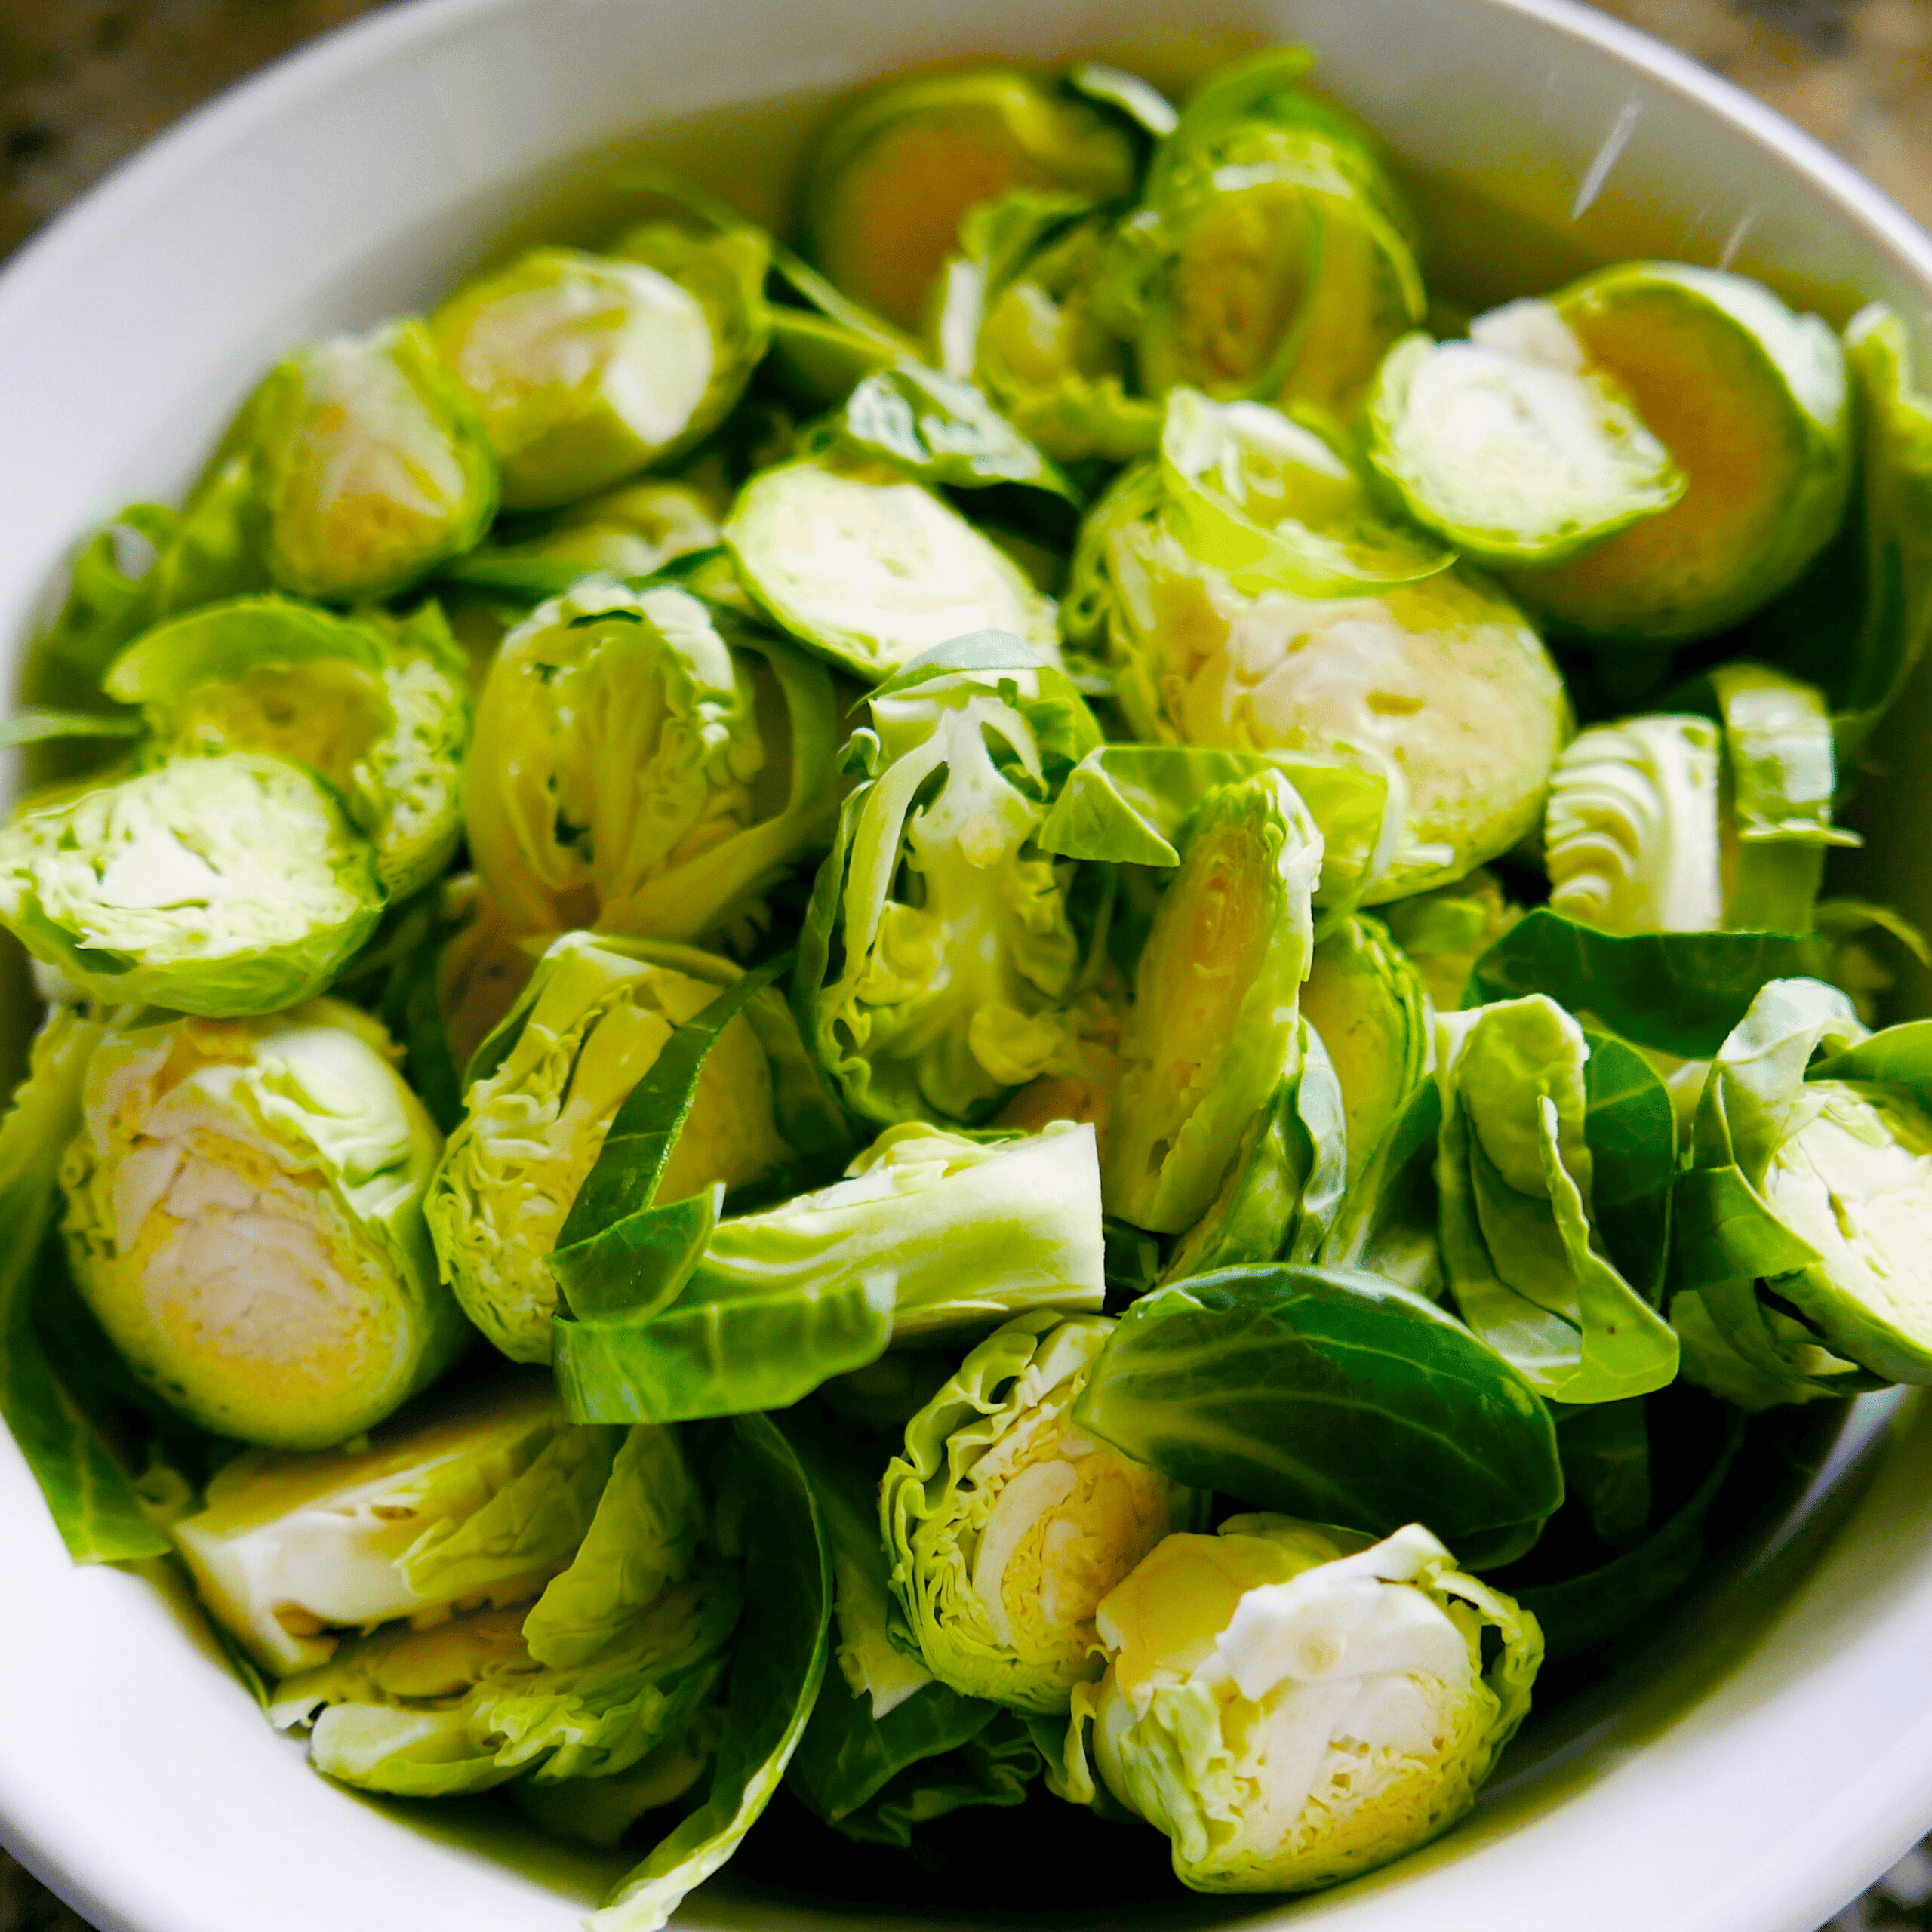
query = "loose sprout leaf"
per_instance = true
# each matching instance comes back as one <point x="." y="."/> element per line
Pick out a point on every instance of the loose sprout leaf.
<point x="92" y="1502"/>
<point x="1680" y="993"/>
<point x="1329" y="1393"/>
<point x="1150" y="111"/>
<point x="1628" y="1124"/>
<point x="779" y="1664"/>
<point x="944" y="431"/>
<point x="36" y="727"/>
<point x="1606" y="1452"/>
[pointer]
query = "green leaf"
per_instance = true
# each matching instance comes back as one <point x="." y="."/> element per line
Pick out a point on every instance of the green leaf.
<point x="1606" y="1452"/>
<point x="1331" y="1394"/>
<point x="90" y="1498"/>
<point x="37" y="727"/>
<point x="1682" y="993"/>
<point x="778" y="1665"/>
<point x="1631" y="1132"/>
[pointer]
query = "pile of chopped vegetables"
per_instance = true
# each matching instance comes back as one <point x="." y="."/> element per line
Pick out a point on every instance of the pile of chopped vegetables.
<point x="1032" y="1011"/>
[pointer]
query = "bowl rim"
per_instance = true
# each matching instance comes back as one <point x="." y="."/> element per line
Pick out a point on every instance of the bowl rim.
<point x="150" y="173"/>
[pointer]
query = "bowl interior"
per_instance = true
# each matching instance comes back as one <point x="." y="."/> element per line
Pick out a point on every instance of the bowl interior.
<point x="1758" y="1751"/>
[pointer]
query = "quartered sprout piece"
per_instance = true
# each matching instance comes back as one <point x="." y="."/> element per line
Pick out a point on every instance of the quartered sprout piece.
<point x="1509" y="446"/>
<point x="227" y="885"/>
<point x="1804" y="1222"/>
<point x="1555" y="1168"/>
<point x="379" y="707"/>
<point x="872" y="569"/>
<point x="245" y="1216"/>
<point x="939" y="956"/>
<point x="891" y="175"/>
<point x="361" y="465"/>
<point x="1005" y="1524"/>
<point x="543" y="1093"/>
<point x="1214" y="1022"/>
<point x="1293" y="1704"/>
<point x="584" y="368"/>
<point x="1442" y="685"/>
<point x="647" y="766"/>
<point x="1750" y="402"/>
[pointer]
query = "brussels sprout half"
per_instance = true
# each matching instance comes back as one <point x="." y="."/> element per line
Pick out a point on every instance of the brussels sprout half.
<point x="1509" y="446"/>
<point x="1006" y="1525"/>
<point x="244" y="1216"/>
<point x="543" y="1091"/>
<point x="367" y="464"/>
<point x="377" y="706"/>
<point x="891" y="177"/>
<point x="645" y="766"/>
<point x="584" y="367"/>
<point x="1750" y="400"/>
<point x="872" y="569"/>
<point x="224" y="886"/>
<point x="1294" y="1705"/>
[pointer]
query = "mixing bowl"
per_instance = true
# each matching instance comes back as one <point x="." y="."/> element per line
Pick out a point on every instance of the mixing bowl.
<point x="1771" y="1750"/>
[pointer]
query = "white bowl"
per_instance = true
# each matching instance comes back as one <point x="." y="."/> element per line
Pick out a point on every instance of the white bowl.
<point x="1773" y="1752"/>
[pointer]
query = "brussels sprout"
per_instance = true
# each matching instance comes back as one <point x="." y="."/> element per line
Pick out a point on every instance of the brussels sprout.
<point x="871" y="569"/>
<point x="939" y="955"/>
<point x="1271" y="259"/>
<point x="632" y="531"/>
<point x="1558" y="1153"/>
<point x="377" y="706"/>
<point x="473" y="1702"/>
<point x="1509" y="446"/>
<point x="244" y="1216"/>
<point x="364" y="464"/>
<point x="1804" y="1220"/>
<point x="584" y="367"/>
<point x="891" y="177"/>
<point x="543" y="1092"/>
<point x="485" y="1498"/>
<point x="1750" y="400"/>
<point x="1213" y="1022"/>
<point x="1443" y="683"/>
<point x="1006" y="1525"/>
<point x="224" y="886"/>
<point x="931" y="1235"/>
<point x="1332" y="1392"/>
<point x="645" y="765"/>
<point x="1293" y="1705"/>
<point x="1018" y="319"/>
<point x="1367" y="1003"/>
<point x="1444" y="931"/>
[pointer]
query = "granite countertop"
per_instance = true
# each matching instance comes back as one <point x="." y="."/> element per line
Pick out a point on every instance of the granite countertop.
<point x="83" y="83"/>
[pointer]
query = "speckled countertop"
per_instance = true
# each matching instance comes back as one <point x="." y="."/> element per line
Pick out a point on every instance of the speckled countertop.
<point x="83" y="83"/>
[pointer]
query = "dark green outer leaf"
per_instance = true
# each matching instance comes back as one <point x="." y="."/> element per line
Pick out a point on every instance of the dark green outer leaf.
<point x="778" y="1667"/>
<point x="1582" y="1612"/>
<point x="1631" y="1131"/>
<point x="1329" y="1393"/>
<point x="1899" y="1056"/>
<point x="1679" y="992"/>
<point x="1606" y="1451"/>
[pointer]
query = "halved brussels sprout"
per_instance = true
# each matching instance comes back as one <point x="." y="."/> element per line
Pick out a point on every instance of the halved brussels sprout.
<point x="584" y="367"/>
<point x="544" y="1091"/>
<point x="645" y="765"/>
<point x="871" y="569"/>
<point x="377" y="706"/>
<point x="1804" y="1222"/>
<point x="1006" y="1525"/>
<point x="891" y="177"/>
<point x="223" y="886"/>
<point x="1509" y="446"/>
<point x="1443" y="684"/>
<point x="244" y="1216"/>
<point x="939" y="957"/>
<point x="485" y="1498"/>
<point x="1367" y="1004"/>
<point x="1444" y="931"/>
<point x="1017" y="318"/>
<point x="1294" y="1705"/>
<point x="1271" y="258"/>
<point x="632" y="531"/>
<point x="1555" y="1167"/>
<point x="365" y="465"/>
<point x="1750" y="400"/>
<point x="1214" y="1019"/>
